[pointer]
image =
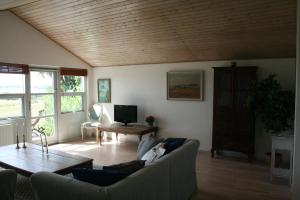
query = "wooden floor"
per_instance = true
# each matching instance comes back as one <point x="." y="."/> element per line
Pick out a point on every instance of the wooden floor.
<point x="219" y="178"/>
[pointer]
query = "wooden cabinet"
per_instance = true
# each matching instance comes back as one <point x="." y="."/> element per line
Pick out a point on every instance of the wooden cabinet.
<point x="233" y="120"/>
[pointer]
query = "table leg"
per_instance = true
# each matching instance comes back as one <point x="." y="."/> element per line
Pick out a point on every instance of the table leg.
<point x="117" y="137"/>
<point x="155" y="133"/>
<point x="100" y="137"/>
<point x="82" y="131"/>
<point x="88" y="165"/>
<point x="97" y="135"/>
<point x="140" y="137"/>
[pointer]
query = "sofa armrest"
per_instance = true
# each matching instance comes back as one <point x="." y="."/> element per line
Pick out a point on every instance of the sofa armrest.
<point x="8" y="180"/>
<point x="49" y="186"/>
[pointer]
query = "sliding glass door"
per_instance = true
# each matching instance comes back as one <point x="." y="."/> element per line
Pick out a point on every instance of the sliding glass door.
<point x="43" y="107"/>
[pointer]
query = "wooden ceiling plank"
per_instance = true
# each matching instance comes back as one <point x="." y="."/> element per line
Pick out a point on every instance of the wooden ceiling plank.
<point x="165" y="28"/>
<point x="133" y="31"/>
<point x="241" y="22"/>
<point x="81" y="15"/>
<point x="8" y="4"/>
<point x="162" y="24"/>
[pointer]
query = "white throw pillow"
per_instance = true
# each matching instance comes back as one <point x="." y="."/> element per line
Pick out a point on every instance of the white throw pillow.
<point x="154" y="154"/>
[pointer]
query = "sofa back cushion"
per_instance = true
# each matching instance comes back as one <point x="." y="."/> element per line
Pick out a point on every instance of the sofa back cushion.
<point x="170" y="144"/>
<point x="127" y="167"/>
<point x="149" y="183"/>
<point x="98" y="177"/>
<point x="146" y="144"/>
<point x="154" y="153"/>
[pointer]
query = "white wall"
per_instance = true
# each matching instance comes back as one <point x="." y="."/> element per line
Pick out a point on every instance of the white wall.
<point x="21" y="43"/>
<point x="296" y="177"/>
<point x="145" y="85"/>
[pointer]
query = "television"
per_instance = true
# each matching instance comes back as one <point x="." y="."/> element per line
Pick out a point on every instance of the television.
<point x="125" y="114"/>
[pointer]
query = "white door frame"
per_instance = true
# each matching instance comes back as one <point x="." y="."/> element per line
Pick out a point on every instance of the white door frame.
<point x="27" y="101"/>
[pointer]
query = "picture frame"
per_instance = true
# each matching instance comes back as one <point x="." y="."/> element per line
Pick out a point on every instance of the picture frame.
<point x="104" y="90"/>
<point x="185" y="85"/>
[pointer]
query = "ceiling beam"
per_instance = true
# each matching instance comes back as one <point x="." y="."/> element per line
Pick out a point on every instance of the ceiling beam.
<point x="7" y="4"/>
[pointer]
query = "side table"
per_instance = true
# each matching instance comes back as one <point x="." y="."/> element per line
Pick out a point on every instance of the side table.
<point x="282" y="168"/>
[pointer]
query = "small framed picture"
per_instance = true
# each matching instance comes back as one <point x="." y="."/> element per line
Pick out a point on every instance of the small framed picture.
<point x="185" y="85"/>
<point x="104" y="93"/>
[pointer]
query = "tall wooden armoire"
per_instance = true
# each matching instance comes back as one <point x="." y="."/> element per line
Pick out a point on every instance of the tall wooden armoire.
<point x="233" y="120"/>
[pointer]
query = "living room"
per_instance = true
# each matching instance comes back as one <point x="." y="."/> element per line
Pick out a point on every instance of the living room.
<point x="128" y="53"/>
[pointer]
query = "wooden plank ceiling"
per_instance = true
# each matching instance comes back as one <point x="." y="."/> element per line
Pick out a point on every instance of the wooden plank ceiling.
<point x="123" y="32"/>
<point x="7" y="4"/>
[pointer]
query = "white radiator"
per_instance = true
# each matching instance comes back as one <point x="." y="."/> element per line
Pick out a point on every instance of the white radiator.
<point x="6" y="134"/>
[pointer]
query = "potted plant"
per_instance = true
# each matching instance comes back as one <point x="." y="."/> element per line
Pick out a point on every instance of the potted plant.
<point x="150" y="120"/>
<point x="273" y="106"/>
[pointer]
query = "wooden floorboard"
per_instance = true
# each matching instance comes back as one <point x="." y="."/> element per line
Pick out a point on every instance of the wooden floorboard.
<point x="220" y="178"/>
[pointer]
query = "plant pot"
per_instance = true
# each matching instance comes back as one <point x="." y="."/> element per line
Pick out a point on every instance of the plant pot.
<point x="150" y="124"/>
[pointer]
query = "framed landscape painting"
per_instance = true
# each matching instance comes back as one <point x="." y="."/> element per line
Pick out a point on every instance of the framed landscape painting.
<point x="104" y="93"/>
<point x="185" y="85"/>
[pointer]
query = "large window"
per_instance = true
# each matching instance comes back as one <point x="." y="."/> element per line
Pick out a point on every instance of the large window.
<point x="72" y="94"/>
<point x="35" y="94"/>
<point x="12" y="95"/>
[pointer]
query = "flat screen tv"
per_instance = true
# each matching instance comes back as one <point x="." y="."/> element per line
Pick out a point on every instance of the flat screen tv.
<point x="125" y="114"/>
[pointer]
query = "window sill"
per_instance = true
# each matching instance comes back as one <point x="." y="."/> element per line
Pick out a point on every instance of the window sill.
<point x="80" y="111"/>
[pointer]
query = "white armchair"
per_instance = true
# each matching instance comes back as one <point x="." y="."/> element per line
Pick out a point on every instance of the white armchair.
<point x="95" y="118"/>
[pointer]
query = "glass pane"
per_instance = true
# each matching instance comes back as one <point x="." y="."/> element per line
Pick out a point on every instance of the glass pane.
<point x="225" y="98"/>
<point x="71" y="103"/>
<point x="242" y="97"/>
<point x="42" y="105"/>
<point x="245" y="79"/>
<point x="42" y="82"/>
<point x="225" y="80"/>
<point x="12" y="83"/>
<point x="11" y="107"/>
<point x="45" y="125"/>
<point x="72" y="84"/>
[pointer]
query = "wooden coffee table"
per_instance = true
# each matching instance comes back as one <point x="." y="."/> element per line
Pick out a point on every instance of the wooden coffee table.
<point x="31" y="160"/>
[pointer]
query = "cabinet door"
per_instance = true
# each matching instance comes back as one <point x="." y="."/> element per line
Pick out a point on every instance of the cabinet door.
<point x="244" y="78"/>
<point x="223" y="103"/>
<point x="243" y="117"/>
<point x="223" y="88"/>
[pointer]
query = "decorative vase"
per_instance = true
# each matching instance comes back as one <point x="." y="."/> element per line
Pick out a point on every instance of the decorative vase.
<point x="150" y="124"/>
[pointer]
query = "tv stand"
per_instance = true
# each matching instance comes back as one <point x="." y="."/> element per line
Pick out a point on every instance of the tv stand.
<point x="138" y="130"/>
<point x="127" y="125"/>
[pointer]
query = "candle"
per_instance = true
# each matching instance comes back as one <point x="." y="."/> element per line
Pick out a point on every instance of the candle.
<point x="18" y="147"/>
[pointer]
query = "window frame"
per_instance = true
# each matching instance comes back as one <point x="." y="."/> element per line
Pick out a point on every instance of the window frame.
<point x="21" y="96"/>
<point x="81" y="94"/>
<point x="14" y="96"/>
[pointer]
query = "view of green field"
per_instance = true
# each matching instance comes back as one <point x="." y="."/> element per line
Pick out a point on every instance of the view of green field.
<point x="10" y="107"/>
